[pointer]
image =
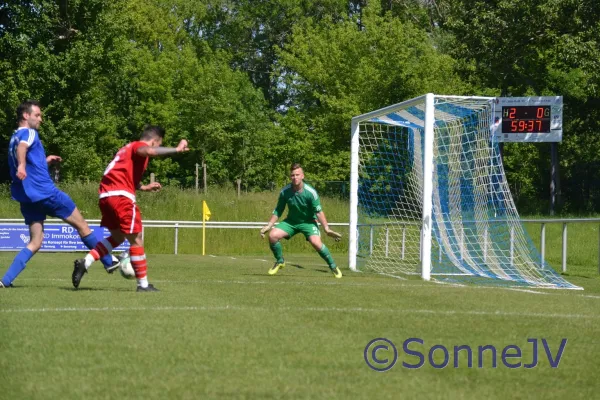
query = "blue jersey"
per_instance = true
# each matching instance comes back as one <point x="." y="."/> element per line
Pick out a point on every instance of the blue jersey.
<point x="37" y="185"/>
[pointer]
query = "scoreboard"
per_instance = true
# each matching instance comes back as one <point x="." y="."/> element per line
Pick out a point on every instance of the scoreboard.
<point x="528" y="119"/>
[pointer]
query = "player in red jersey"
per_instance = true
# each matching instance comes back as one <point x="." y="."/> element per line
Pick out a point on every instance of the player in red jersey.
<point x="120" y="212"/>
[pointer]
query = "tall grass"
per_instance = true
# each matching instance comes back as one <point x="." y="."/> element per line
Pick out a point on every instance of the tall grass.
<point x="175" y="204"/>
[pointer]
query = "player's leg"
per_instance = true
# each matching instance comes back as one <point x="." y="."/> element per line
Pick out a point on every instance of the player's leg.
<point x="283" y="231"/>
<point x="104" y="247"/>
<point x="313" y="235"/>
<point x="36" y="236"/>
<point x="137" y="256"/>
<point x="62" y="206"/>
<point x="110" y="220"/>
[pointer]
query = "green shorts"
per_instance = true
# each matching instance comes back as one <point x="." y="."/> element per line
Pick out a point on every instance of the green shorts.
<point x="306" y="228"/>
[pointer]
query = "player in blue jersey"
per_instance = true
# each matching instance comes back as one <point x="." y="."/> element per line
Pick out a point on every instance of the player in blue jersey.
<point x="33" y="188"/>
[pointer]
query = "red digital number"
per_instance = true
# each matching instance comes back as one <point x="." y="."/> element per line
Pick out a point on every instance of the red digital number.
<point x="513" y="126"/>
<point x="539" y="126"/>
<point x="540" y="112"/>
<point x="522" y="126"/>
<point x="512" y="112"/>
<point x="530" y="125"/>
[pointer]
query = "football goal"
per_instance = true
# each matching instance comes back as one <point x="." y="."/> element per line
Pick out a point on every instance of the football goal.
<point x="428" y="196"/>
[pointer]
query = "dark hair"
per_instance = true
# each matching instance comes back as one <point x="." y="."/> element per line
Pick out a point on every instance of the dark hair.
<point x="25" y="107"/>
<point x="153" y="131"/>
<point x="295" y="166"/>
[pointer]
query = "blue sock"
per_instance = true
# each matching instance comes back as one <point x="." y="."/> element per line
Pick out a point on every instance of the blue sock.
<point x="17" y="266"/>
<point x="90" y="242"/>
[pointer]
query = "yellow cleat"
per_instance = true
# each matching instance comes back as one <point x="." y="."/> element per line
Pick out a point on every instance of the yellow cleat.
<point x="336" y="272"/>
<point x="276" y="267"/>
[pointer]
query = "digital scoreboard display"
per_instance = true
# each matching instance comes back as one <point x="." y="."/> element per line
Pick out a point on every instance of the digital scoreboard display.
<point x="528" y="119"/>
<point x="523" y="119"/>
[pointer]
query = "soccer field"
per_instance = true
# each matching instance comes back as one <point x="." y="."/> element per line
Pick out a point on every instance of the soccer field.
<point x="222" y="328"/>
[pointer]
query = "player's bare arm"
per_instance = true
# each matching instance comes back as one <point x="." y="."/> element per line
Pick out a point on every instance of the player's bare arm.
<point x="51" y="159"/>
<point x="149" y="151"/>
<point x="323" y="221"/>
<point x="22" y="160"/>
<point x="151" y="187"/>
<point x="269" y="225"/>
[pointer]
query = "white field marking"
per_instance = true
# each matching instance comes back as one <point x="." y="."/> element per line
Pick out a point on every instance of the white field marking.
<point x="451" y="284"/>
<point x="233" y="258"/>
<point x="210" y="255"/>
<point x="300" y="309"/>
<point x="393" y="276"/>
<point x="526" y="291"/>
<point x="256" y="259"/>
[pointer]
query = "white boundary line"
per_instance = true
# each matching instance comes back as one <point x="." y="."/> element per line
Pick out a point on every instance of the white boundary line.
<point x="299" y="309"/>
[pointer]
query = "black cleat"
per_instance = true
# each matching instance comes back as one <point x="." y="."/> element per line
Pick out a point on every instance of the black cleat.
<point x="150" y="288"/>
<point x="78" y="271"/>
<point x="113" y="267"/>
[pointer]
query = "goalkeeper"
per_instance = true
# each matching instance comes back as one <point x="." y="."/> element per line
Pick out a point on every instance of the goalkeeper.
<point x="304" y="208"/>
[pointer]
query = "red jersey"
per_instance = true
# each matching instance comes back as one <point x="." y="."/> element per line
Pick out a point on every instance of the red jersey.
<point x="124" y="173"/>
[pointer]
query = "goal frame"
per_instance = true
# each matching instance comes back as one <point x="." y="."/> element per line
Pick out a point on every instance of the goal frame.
<point x="426" y="218"/>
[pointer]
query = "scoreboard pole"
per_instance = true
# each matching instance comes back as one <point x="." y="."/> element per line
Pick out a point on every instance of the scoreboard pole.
<point x="554" y="177"/>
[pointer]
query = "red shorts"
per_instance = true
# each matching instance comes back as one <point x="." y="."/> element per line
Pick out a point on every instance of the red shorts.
<point x="120" y="212"/>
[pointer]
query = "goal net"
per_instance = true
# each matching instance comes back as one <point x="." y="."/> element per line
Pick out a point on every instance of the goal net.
<point x="429" y="196"/>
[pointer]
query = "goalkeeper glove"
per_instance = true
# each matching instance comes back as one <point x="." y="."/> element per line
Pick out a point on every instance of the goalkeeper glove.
<point x="336" y="236"/>
<point x="264" y="230"/>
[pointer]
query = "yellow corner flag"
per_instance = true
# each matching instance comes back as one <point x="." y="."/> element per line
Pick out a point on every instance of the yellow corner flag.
<point x="205" y="211"/>
<point x="205" y="217"/>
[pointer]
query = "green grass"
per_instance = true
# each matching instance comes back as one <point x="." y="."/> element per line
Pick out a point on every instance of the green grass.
<point x="222" y="328"/>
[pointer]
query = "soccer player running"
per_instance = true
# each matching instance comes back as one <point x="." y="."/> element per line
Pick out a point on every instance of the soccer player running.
<point x="304" y="208"/>
<point x="33" y="188"/>
<point x="120" y="212"/>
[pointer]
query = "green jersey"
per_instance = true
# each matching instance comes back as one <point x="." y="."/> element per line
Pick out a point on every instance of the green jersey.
<point x="302" y="205"/>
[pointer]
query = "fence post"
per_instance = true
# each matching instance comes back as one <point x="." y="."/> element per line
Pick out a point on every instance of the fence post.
<point x="387" y="241"/>
<point x="176" y="236"/>
<point x="239" y="187"/>
<point x="371" y="240"/>
<point x="403" y="239"/>
<point x="543" y="244"/>
<point x="564" y="248"/>
<point x="204" y="169"/>
<point x="512" y="245"/>
<point x="485" y="244"/>
<point x="197" y="165"/>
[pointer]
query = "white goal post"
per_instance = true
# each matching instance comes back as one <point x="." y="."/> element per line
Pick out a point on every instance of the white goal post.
<point x="428" y="174"/>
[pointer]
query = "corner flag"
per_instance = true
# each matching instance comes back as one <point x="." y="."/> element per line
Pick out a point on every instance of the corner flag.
<point x="205" y="217"/>
<point x="205" y="211"/>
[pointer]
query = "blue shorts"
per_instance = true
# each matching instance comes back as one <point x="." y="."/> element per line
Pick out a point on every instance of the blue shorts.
<point x="58" y="205"/>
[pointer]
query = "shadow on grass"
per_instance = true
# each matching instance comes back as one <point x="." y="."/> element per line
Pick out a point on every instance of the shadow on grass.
<point x="97" y="289"/>
<point x="566" y="274"/>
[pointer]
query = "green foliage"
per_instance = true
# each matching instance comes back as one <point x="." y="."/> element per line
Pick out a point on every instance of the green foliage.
<point x="255" y="85"/>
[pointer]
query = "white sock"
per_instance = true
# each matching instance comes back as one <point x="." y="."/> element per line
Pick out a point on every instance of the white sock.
<point x="143" y="282"/>
<point x="89" y="260"/>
